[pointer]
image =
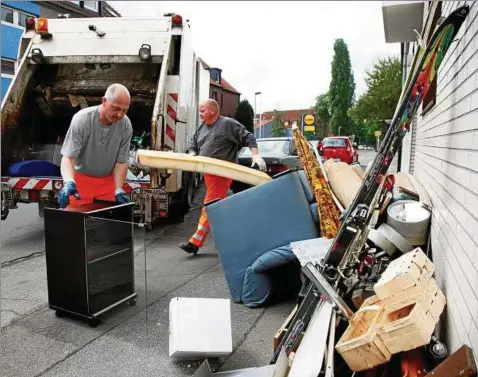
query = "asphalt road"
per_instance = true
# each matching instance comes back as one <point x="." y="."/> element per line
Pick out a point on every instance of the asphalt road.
<point x="367" y="156"/>
<point x="22" y="233"/>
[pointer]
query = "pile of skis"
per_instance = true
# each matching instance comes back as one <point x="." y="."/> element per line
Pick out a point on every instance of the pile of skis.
<point x="327" y="284"/>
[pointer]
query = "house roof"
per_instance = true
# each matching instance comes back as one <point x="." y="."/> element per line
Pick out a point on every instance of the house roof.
<point x="286" y="115"/>
<point x="224" y="84"/>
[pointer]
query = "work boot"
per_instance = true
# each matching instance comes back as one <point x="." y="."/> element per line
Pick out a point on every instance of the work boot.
<point x="189" y="248"/>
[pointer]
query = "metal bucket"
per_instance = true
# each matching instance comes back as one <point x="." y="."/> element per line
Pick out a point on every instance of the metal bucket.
<point x="410" y="219"/>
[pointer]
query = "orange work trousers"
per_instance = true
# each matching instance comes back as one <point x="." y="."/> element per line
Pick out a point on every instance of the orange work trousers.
<point x="216" y="188"/>
<point x="90" y="188"/>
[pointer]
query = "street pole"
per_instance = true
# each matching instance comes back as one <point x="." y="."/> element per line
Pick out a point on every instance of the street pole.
<point x="255" y="113"/>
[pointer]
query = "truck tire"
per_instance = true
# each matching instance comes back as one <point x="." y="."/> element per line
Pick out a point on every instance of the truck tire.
<point x="4" y="209"/>
<point x="5" y="212"/>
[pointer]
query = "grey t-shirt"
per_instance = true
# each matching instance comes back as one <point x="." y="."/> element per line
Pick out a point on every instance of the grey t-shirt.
<point x="222" y="139"/>
<point x="96" y="147"/>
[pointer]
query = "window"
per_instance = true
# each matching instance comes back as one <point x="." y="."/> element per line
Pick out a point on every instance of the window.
<point x="214" y="95"/>
<point x="91" y="5"/>
<point x="277" y="147"/>
<point x="14" y="16"/>
<point x="7" y="14"/>
<point x="22" y="18"/>
<point x="334" y="143"/>
<point x="430" y="97"/>
<point x="8" y="67"/>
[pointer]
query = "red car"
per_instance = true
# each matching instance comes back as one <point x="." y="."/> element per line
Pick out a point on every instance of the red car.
<point x="340" y="148"/>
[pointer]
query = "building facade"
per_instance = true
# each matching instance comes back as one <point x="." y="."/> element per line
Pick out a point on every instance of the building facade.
<point x="441" y="151"/>
<point x="224" y="93"/>
<point x="15" y="13"/>
<point x="264" y="129"/>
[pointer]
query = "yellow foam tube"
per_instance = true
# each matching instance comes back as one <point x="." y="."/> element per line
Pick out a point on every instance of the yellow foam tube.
<point x="200" y="164"/>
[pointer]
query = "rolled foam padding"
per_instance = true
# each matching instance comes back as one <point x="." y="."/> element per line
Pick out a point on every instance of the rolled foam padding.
<point x="201" y="164"/>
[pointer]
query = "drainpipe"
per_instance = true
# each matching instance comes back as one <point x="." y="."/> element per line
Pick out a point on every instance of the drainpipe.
<point x="404" y="49"/>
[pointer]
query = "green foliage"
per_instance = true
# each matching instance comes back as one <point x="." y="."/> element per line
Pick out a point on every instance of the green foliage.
<point x="278" y="129"/>
<point x="342" y="89"/>
<point x="379" y="101"/>
<point x="322" y="110"/>
<point x="245" y="115"/>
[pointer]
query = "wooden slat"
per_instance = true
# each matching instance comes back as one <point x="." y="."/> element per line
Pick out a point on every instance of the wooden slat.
<point x="459" y="364"/>
<point x="283" y="329"/>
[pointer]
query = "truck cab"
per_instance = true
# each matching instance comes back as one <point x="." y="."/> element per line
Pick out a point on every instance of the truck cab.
<point x="66" y="65"/>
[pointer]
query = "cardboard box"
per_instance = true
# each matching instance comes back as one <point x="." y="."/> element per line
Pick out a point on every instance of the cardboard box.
<point x="199" y="327"/>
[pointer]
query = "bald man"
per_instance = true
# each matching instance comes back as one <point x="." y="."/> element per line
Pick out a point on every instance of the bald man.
<point x="95" y="152"/>
<point x="217" y="137"/>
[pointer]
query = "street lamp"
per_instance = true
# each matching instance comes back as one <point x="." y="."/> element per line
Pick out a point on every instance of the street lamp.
<point x="255" y="111"/>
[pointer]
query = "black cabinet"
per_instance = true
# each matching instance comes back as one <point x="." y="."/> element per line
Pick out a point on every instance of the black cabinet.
<point x="89" y="258"/>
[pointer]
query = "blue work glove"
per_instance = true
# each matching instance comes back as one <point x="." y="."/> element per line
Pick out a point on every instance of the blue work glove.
<point x="121" y="197"/>
<point x="69" y="188"/>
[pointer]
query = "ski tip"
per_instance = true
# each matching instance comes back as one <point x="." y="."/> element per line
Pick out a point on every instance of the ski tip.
<point x="463" y="10"/>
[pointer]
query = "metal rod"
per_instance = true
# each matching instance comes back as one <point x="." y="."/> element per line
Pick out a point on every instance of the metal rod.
<point x="327" y="290"/>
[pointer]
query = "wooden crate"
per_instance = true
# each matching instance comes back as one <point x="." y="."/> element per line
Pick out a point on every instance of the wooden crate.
<point x="410" y="323"/>
<point x="421" y="288"/>
<point x="360" y="346"/>
<point x="411" y="269"/>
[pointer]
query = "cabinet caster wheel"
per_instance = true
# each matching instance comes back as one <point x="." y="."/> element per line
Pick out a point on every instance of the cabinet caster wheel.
<point x="93" y="322"/>
<point x="60" y="313"/>
<point x="132" y="302"/>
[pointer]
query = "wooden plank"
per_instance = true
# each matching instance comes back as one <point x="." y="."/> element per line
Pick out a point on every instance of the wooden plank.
<point x="459" y="364"/>
<point x="200" y="164"/>
<point x="405" y="184"/>
<point x="283" y="329"/>
<point x="422" y="193"/>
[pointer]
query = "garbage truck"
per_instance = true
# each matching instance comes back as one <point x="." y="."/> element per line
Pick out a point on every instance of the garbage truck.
<point x="66" y="64"/>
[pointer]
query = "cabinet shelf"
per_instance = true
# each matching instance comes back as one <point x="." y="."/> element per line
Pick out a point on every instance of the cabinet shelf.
<point x="89" y="257"/>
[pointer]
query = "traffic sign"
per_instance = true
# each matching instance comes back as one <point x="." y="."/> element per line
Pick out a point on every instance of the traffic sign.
<point x="309" y="120"/>
<point x="378" y="133"/>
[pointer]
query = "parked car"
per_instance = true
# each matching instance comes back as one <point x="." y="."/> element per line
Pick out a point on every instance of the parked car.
<point x="279" y="153"/>
<point x="339" y="148"/>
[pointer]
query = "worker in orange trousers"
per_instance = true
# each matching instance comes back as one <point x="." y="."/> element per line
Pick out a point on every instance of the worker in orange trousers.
<point x="95" y="152"/>
<point x="218" y="137"/>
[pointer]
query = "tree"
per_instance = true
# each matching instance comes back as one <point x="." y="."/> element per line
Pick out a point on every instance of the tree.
<point x="245" y="115"/>
<point x="379" y="101"/>
<point x="322" y="110"/>
<point x="278" y="129"/>
<point x="342" y="88"/>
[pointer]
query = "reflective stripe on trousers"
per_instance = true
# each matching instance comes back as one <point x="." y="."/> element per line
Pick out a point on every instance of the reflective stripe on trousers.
<point x="216" y="188"/>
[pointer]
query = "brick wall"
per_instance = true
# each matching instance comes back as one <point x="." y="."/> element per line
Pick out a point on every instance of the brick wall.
<point x="446" y="163"/>
<point x="228" y="102"/>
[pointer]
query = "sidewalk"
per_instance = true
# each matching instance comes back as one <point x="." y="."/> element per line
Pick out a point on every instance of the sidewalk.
<point x="133" y="341"/>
